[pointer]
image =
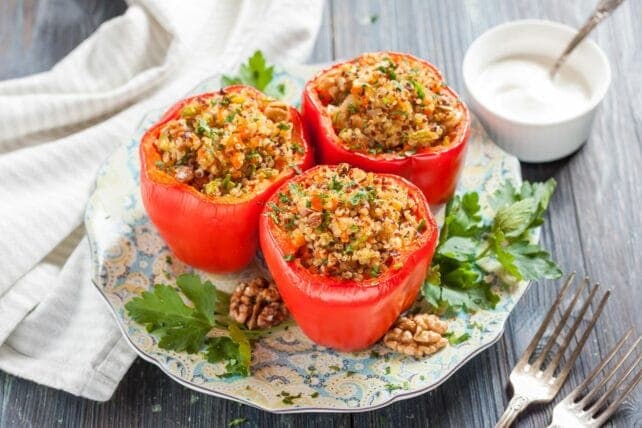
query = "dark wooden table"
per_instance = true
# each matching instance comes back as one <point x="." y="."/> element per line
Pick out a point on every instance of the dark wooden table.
<point x="594" y="225"/>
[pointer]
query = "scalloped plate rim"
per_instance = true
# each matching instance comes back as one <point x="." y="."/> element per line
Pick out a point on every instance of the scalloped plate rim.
<point x="393" y="399"/>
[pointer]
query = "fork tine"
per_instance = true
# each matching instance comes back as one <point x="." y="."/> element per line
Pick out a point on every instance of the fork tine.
<point x="561" y="377"/>
<point x="612" y="372"/>
<point x="560" y="325"/>
<point x="598" y="405"/>
<point x="567" y="339"/>
<point x="615" y="404"/>
<point x="547" y="319"/>
<point x="599" y="368"/>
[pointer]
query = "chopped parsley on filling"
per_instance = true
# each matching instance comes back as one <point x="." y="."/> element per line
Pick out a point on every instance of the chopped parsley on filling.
<point x="230" y="144"/>
<point x="382" y="103"/>
<point x="347" y="223"/>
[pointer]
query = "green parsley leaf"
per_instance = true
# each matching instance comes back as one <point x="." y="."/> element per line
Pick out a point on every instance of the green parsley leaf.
<point x="234" y="349"/>
<point x="162" y="311"/>
<point x="460" y="248"/>
<point x="257" y="73"/>
<point x="473" y="253"/>
<point x="456" y="340"/>
<point x="184" y="328"/>
<point x="533" y="262"/>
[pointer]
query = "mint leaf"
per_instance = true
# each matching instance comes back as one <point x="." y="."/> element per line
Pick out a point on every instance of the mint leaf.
<point x="513" y="220"/>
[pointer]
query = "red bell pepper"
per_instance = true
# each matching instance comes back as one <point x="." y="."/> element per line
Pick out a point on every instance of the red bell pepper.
<point x="217" y="234"/>
<point x="344" y="314"/>
<point x="434" y="170"/>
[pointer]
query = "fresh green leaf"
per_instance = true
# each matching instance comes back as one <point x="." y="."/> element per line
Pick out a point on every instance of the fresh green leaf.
<point x="258" y="74"/>
<point x="445" y="299"/>
<point x="473" y="253"/>
<point x="202" y="294"/>
<point x="504" y="257"/>
<point x="456" y="340"/>
<point x="234" y="349"/>
<point x="162" y="310"/>
<point x="459" y="248"/>
<point x="533" y="262"/>
<point x="245" y="350"/>
<point x="514" y="219"/>
<point x="463" y="217"/>
<point x="185" y="328"/>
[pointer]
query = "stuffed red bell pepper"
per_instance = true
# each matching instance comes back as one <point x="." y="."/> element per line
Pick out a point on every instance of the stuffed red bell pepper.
<point x="209" y="165"/>
<point x="348" y="251"/>
<point x="390" y="112"/>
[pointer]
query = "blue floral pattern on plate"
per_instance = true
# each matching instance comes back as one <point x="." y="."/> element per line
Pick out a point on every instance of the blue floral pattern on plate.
<point x="128" y="257"/>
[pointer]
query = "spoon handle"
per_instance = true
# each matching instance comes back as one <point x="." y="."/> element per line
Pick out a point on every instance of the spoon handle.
<point x="602" y="10"/>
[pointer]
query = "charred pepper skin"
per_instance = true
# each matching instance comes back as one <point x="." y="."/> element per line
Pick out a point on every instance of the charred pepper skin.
<point x="216" y="234"/>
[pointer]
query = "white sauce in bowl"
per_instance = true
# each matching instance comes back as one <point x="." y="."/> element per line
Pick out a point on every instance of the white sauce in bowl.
<point x="519" y="88"/>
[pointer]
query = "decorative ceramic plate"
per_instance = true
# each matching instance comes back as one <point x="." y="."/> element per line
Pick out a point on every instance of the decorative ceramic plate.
<point x="128" y="257"/>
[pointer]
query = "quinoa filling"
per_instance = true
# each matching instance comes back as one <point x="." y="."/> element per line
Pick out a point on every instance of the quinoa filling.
<point x="230" y="144"/>
<point x="382" y="103"/>
<point x="348" y="223"/>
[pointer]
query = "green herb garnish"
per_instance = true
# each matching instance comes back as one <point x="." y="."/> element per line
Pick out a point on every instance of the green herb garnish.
<point x="297" y="148"/>
<point x="184" y="328"/>
<point x="456" y="340"/>
<point x="236" y="422"/>
<point x="258" y="74"/>
<point x="471" y="250"/>
<point x="419" y="89"/>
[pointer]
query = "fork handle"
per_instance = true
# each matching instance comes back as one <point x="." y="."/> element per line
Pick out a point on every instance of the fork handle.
<point x="516" y="405"/>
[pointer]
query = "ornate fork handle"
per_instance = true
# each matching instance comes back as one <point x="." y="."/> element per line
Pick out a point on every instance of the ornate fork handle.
<point x="603" y="9"/>
<point x="516" y="405"/>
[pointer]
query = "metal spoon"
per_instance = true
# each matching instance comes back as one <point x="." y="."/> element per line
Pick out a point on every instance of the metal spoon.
<point x="602" y="10"/>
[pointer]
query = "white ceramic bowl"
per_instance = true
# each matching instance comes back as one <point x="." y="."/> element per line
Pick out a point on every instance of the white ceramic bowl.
<point x="539" y="141"/>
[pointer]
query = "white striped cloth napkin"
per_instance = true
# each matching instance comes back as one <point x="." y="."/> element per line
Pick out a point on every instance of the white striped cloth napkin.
<point x="55" y="130"/>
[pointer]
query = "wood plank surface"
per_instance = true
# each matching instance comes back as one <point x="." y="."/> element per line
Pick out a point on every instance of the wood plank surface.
<point x="594" y="225"/>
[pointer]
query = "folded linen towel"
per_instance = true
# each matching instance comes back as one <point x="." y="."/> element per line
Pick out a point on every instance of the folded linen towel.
<point x="56" y="128"/>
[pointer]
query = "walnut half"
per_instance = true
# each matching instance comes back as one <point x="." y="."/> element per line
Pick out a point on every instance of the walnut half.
<point x="257" y="304"/>
<point x="418" y="335"/>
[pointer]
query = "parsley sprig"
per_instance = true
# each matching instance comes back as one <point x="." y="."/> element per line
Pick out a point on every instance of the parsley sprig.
<point x="185" y="328"/>
<point x="472" y="253"/>
<point x="258" y="74"/>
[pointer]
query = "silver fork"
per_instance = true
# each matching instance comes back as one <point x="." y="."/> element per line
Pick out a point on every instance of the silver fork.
<point x="581" y="411"/>
<point x="536" y="382"/>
